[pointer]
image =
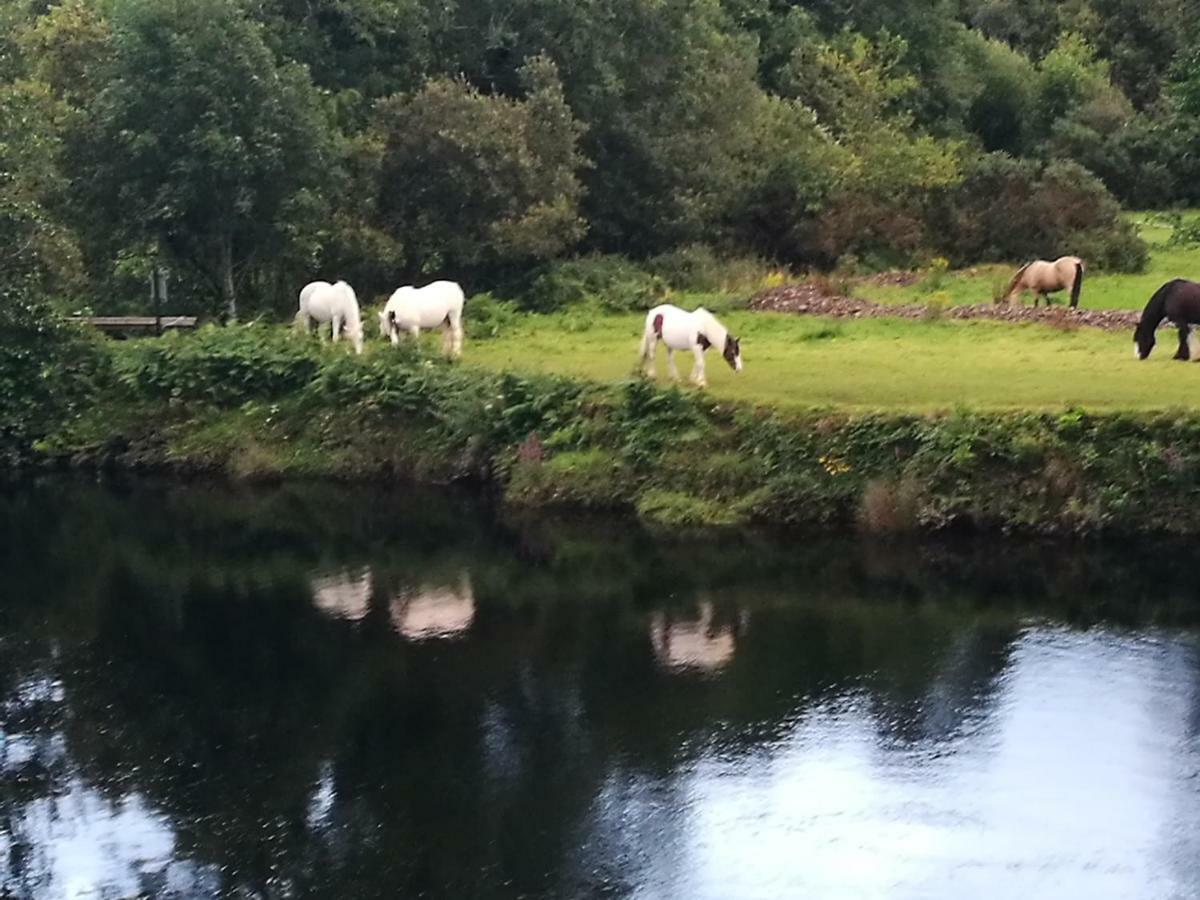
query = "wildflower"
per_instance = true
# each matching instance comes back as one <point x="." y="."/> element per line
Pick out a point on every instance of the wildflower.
<point x="834" y="465"/>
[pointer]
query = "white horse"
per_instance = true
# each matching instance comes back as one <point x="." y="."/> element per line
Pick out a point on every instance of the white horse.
<point x="683" y="330"/>
<point x="410" y="309"/>
<point x="336" y="304"/>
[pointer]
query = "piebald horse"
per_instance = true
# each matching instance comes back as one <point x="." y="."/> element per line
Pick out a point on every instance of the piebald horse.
<point x="411" y="309"/>
<point x="683" y="330"/>
<point x="1179" y="301"/>
<point x="1044" y="278"/>
<point x="336" y="304"/>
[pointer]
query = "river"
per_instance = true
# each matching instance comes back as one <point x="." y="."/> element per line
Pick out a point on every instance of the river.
<point x="328" y="691"/>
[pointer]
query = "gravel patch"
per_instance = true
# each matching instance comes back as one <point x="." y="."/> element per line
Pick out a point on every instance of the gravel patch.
<point x="809" y="299"/>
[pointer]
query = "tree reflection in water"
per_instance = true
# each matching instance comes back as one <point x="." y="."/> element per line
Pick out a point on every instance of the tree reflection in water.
<point x="203" y="693"/>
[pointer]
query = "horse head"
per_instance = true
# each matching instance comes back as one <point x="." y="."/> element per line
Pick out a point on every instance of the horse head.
<point x="733" y="352"/>
<point x="354" y="330"/>
<point x="1143" y="341"/>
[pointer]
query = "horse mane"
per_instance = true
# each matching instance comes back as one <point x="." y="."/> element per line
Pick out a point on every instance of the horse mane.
<point x="712" y="329"/>
<point x="1077" y="285"/>
<point x="1155" y="308"/>
<point x="354" y="315"/>
<point x="1012" y="285"/>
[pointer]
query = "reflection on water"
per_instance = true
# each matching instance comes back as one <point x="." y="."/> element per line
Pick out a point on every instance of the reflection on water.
<point x="345" y="595"/>
<point x="210" y="692"/>
<point x="699" y="643"/>
<point x="433" y="611"/>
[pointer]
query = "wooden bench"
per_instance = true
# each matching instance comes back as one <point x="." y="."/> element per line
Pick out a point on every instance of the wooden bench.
<point x="122" y="324"/>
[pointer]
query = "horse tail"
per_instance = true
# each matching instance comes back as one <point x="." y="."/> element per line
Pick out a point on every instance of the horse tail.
<point x="649" y="337"/>
<point x="1077" y="286"/>
<point x="1012" y="285"/>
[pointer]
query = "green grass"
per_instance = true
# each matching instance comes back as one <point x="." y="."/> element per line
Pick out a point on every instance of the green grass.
<point x="1100" y="290"/>
<point x="876" y="364"/>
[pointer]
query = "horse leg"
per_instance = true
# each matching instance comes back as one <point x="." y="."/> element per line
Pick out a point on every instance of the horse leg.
<point x="1184" y="331"/>
<point x="671" y="370"/>
<point x="456" y="334"/>
<point x="698" y="378"/>
<point x="415" y="333"/>
<point x="649" y="351"/>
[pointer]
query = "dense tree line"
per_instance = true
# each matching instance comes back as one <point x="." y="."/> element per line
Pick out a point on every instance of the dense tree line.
<point x="249" y="144"/>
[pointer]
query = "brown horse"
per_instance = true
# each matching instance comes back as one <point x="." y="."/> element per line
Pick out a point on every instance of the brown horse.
<point x="1044" y="278"/>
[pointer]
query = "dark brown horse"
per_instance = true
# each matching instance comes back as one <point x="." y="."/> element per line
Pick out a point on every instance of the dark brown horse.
<point x="1177" y="300"/>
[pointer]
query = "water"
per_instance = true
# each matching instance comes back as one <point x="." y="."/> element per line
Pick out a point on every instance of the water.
<point x="329" y="692"/>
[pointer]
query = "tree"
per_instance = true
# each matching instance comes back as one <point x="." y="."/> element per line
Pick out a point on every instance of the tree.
<point x="667" y="90"/>
<point x="1137" y="38"/>
<point x="471" y="180"/>
<point x="200" y="141"/>
<point x="1002" y="112"/>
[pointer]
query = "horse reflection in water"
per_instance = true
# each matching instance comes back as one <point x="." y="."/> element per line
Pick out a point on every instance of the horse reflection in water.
<point x="343" y="595"/>
<point x="434" y="611"/>
<point x="702" y="644"/>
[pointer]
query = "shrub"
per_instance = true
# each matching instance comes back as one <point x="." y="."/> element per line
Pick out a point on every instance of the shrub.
<point x="48" y="370"/>
<point x="473" y="179"/>
<point x="224" y="366"/>
<point x="591" y="478"/>
<point x="665" y="507"/>
<point x="612" y="282"/>
<point x="697" y="268"/>
<point x="1008" y="209"/>
<point x="486" y="316"/>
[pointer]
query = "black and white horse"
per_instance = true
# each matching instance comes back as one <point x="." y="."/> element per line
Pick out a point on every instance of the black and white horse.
<point x="1177" y="300"/>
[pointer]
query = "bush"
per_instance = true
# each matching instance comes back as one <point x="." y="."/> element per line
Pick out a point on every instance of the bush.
<point x="612" y="282"/>
<point x="48" y="370"/>
<point x="697" y="268"/>
<point x="224" y="366"/>
<point x="486" y="316"/>
<point x="1008" y="209"/>
<point x="473" y="179"/>
<point x="591" y="478"/>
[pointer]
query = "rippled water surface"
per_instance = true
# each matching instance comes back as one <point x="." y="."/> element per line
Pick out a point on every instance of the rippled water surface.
<point x="323" y="691"/>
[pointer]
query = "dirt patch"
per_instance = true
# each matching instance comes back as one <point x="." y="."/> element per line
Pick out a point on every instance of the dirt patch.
<point x="808" y="298"/>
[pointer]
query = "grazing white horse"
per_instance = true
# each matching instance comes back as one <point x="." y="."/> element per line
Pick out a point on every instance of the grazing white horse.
<point x="410" y="309"/>
<point x="683" y="330"/>
<point x="336" y="304"/>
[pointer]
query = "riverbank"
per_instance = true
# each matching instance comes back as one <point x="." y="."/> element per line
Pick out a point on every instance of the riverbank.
<point x="258" y="403"/>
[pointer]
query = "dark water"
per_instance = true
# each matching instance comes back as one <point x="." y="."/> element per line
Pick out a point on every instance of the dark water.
<point x="318" y="691"/>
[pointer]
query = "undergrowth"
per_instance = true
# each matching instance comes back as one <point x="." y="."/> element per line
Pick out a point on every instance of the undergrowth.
<point x="256" y="402"/>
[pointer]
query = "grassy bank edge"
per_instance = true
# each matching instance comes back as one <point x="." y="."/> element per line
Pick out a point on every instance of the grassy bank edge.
<point x="671" y="457"/>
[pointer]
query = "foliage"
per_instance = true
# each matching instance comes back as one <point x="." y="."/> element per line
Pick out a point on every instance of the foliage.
<point x="1009" y="209"/>
<point x="222" y="366"/>
<point x="612" y="282"/>
<point x="470" y="179"/>
<point x="48" y="370"/>
<point x="385" y="141"/>
<point x="486" y="316"/>
<point x="211" y="162"/>
<point x="259" y="402"/>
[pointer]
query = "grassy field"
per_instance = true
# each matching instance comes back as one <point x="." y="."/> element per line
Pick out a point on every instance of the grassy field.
<point x="1100" y="290"/>
<point x="876" y="364"/>
<point x="894" y="364"/>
